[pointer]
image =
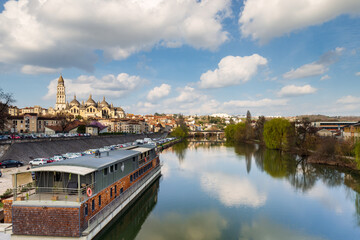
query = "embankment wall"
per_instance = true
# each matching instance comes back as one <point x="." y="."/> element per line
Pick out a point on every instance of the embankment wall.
<point x="25" y="151"/>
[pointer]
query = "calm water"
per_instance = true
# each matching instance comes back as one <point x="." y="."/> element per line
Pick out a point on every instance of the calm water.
<point x="211" y="191"/>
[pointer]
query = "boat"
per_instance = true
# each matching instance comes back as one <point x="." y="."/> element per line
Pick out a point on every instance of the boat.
<point x="78" y="197"/>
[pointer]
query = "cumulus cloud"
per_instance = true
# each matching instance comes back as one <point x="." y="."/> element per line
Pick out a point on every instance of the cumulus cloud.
<point x="357" y="74"/>
<point x="293" y="90"/>
<point x="263" y="20"/>
<point x="56" y="34"/>
<point x="315" y="68"/>
<point x="325" y="77"/>
<point x="35" y="70"/>
<point x="159" y="92"/>
<point x="266" y="102"/>
<point x="232" y="71"/>
<point x="232" y="191"/>
<point x="349" y="100"/>
<point x="108" y="85"/>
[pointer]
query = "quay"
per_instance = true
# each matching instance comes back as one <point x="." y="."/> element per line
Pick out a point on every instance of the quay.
<point x="77" y="198"/>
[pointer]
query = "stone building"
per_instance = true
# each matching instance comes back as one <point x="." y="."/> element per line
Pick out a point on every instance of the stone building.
<point x="87" y="109"/>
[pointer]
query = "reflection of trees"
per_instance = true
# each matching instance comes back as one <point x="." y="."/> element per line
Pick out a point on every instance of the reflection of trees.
<point x="357" y="208"/>
<point x="246" y="150"/>
<point x="180" y="149"/>
<point x="277" y="164"/>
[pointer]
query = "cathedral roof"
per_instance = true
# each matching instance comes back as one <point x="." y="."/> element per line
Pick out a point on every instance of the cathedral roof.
<point x="104" y="103"/>
<point x="74" y="102"/>
<point x="90" y="102"/>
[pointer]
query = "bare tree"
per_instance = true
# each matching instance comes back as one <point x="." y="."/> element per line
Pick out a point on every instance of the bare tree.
<point x="6" y="99"/>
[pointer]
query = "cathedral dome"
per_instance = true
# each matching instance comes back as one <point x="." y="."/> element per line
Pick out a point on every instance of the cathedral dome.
<point x="90" y="102"/>
<point x="74" y="102"/>
<point x="104" y="103"/>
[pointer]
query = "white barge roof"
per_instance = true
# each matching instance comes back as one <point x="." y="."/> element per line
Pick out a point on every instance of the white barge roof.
<point x="68" y="169"/>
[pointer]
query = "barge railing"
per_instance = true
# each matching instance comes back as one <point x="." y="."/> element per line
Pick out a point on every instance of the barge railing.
<point x="108" y="209"/>
<point x="31" y="192"/>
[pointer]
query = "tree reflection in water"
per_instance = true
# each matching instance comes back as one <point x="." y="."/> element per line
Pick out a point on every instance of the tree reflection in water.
<point x="180" y="150"/>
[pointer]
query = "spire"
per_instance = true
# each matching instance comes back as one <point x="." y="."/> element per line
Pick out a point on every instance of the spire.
<point x="74" y="96"/>
<point x="104" y="98"/>
<point x="60" y="80"/>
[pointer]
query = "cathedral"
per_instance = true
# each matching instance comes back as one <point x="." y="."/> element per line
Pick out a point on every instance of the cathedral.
<point x="85" y="109"/>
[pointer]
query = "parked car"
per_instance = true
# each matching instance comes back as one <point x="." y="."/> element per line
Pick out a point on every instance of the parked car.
<point x="10" y="163"/>
<point x="38" y="161"/>
<point x="58" y="158"/>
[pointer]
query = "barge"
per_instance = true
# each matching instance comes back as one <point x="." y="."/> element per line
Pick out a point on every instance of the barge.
<point x="78" y="197"/>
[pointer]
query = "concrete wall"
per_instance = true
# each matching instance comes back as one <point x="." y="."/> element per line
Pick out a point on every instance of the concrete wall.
<point x="26" y="150"/>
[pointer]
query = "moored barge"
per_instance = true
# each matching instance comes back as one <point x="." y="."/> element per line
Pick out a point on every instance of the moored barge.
<point x="78" y="197"/>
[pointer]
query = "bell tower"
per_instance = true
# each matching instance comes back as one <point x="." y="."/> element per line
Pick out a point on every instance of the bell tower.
<point x="60" y="95"/>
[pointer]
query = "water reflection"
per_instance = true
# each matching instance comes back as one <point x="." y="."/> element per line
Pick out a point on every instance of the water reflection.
<point x="267" y="229"/>
<point x="129" y="223"/>
<point x="196" y="225"/>
<point x="180" y="149"/>
<point x="232" y="191"/>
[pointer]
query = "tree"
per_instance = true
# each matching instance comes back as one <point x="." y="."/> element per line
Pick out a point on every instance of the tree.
<point x="249" y="132"/>
<point x="63" y="120"/>
<point x="81" y="129"/>
<point x="357" y="153"/>
<point x="5" y="100"/>
<point x="259" y="129"/>
<point x="235" y="133"/>
<point x="277" y="132"/>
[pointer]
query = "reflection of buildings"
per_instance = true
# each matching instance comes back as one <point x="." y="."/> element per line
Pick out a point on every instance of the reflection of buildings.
<point x="129" y="223"/>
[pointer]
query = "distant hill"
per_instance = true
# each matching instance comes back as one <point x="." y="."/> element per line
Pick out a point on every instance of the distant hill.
<point x="323" y="118"/>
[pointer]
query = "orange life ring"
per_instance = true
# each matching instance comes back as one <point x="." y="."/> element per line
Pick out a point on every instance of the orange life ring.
<point x="89" y="192"/>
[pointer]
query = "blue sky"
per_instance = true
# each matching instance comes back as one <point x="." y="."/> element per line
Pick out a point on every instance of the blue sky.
<point x="192" y="57"/>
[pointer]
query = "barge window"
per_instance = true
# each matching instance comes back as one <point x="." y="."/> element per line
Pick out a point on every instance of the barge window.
<point x="115" y="190"/>
<point x="130" y="178"/>
<point x="99" y="200"/>
<point x="105" y="171"/>
<point x="116" y="167"/>
<point x="86" y="209"/>
<point x="111" y="168"/>
<point x="110" y="192"/>
<point x="121" y="190"/>
<point x="93" y="205"/>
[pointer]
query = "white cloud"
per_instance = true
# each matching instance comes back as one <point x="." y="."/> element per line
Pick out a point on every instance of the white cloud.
<point x="325" y="77"/>
<point x="232" y="191"/>
<point x="357" y="74"/>
<point x="35" y="70"/>
<point x="232" y="71"/>
<point x="109" y="85"/>
<point x="349" y="100"/>
<point x="293" y="90"/>
<point x="307" y="70"/>
<point x="315" y="68"/>
<point x="159" y="92"/>
<point x="266" y="102"/>
<point x="263" y="19"/>
<point x="67" y="33"/>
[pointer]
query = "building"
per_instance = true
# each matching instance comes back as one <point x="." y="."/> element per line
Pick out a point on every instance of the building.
<point x="331" y="126"/>
<point x="352" y="130"/>
<point x="29" y="123"/>
<point x="88" y="109"/>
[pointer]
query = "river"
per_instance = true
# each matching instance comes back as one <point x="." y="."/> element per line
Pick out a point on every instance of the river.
<point x="213" y="191"/>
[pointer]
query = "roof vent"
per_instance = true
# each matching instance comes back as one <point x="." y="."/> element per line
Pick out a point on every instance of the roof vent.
<point x="97" y="154"/>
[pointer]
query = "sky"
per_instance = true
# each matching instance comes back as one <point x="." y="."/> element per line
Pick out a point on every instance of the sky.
<point x="279" y="57"/>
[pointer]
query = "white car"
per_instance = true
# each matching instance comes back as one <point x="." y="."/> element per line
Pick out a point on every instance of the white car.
<point x="38" y="161"/>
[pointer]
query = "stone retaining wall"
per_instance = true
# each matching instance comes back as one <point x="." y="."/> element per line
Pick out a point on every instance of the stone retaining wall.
<point x="25" y="151"/>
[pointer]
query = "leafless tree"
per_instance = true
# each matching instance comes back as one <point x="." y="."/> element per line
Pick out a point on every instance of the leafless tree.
<point x="6" y="99"/>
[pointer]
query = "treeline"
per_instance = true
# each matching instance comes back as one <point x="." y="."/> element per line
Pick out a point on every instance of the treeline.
<point x="281" y="134"/>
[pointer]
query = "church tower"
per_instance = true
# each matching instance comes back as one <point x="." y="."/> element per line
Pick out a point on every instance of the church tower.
<point x="60" y="95"/>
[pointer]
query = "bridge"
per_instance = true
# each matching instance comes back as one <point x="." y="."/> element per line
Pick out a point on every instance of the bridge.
<point x="208" y="133"/>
